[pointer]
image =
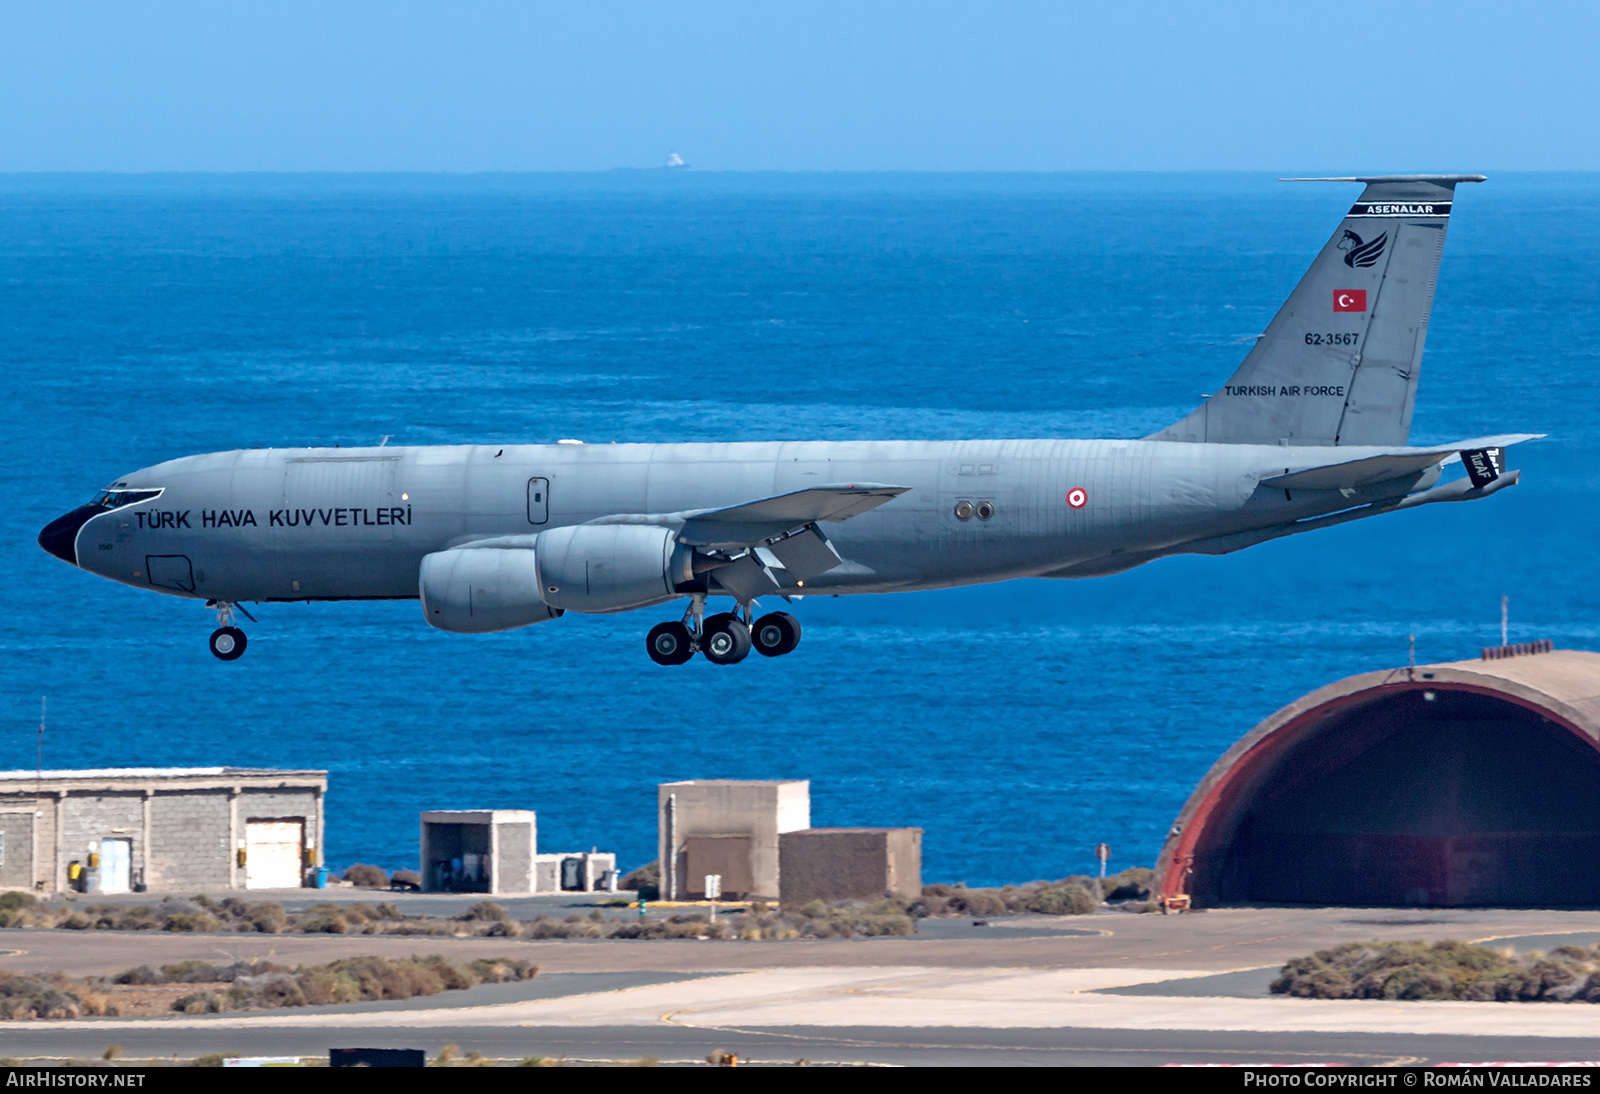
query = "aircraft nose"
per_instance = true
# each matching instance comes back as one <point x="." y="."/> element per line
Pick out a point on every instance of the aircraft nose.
<point x="60" y="535"/>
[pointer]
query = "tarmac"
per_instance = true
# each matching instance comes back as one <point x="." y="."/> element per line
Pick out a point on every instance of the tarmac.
<point x="1109" y="988"/>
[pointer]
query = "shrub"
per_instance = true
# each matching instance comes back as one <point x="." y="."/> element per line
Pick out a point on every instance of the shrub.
<point x="268" y="917"/>
<point x="194" y="972"/>
<point x="367" y="877"/>
<point x="38" y="997"/>
<point x="325" y="922"/>
<point x="504" y="970"/>
<point x="983" y="902"/>
<point x="487" y="911"/>
<point x="406" y="879"/>
<point x="1130" y="884"/>
<point x="271" y="989"/>
<point x="200" y="1002"/>
<point x="190" y="922"/>
<point x="646" y="881"/>
<point x="1065" y="898"/>
<point x="327" y="985"/>
<point x="15" y="899"/>
<point x="1442" y="970"/>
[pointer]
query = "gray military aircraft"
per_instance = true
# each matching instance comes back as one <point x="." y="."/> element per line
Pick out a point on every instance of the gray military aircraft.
<point x="1311" y="431"/>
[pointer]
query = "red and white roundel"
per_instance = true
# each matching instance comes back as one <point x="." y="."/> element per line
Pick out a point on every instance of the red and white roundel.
<point x="1077" y="498"/>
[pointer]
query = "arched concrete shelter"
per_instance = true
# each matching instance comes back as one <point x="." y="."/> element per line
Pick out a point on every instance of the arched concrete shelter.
<point x="1459" y="784"/>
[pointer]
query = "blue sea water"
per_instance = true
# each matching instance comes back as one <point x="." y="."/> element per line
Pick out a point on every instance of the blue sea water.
<point x="149" y="317"/>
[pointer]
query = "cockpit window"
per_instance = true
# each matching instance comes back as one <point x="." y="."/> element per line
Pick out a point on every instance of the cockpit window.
<point x="116" y="499"/>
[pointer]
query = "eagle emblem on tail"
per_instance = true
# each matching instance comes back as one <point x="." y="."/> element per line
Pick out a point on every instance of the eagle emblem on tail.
<point x="1359" y="254"/>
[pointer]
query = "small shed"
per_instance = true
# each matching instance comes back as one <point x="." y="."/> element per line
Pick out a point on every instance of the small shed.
<point x="850" y="864"/>
<point x="160" y="829"/>
<point x="478" y="850"/>
<point x="496" y="851"/>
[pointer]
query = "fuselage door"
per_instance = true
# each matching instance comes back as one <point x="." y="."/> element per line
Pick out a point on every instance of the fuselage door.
<point x="538" y="500"/>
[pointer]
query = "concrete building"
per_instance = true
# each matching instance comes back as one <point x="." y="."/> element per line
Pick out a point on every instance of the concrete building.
<point x="849" y="864"/>
<point x="728" y="827"/>
<point x="160" y="829"/>
<point x="496" y="851"/>
<point x="1458" y="784"/>
<point x="757" y="836"/>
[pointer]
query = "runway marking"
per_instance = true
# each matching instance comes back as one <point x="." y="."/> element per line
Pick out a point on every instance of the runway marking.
<point x="856" y="1042"/>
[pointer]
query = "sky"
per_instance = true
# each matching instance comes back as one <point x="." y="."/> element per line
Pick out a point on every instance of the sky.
<point x="1351" y="85"/>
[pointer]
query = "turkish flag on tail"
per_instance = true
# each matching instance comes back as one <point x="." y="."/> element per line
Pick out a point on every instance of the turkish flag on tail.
<point x="1349" y="299"/>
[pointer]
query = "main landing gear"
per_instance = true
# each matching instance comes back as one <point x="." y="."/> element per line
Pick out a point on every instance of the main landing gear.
<point x="227" y="641"/>
<point x="725" y="638"/>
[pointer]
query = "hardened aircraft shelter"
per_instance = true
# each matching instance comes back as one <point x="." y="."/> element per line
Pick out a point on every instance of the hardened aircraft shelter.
<point x="1471" y="783"/>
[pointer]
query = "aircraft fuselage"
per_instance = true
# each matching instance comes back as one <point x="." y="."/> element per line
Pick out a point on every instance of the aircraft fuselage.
<point x="342" y="523"/>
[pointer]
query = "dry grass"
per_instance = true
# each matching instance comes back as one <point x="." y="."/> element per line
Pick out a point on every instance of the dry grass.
<point x="1443" y="970"/>
<point x="1077" y="895"/>
<point x="199" y="987"/>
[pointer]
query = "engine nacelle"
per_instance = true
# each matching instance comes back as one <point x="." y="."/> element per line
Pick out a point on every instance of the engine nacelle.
<point x="478" y="590"/>
<point x="610" y="567"/>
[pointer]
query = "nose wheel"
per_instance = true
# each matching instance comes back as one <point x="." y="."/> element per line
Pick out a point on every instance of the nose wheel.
<point x="228" y="643"/>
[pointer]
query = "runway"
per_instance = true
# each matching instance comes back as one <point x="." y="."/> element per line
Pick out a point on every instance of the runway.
<point x="1103" y="989"/>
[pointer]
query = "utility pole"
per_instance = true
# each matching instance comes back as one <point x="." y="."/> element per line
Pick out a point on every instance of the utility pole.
<point x="38" y="785"/>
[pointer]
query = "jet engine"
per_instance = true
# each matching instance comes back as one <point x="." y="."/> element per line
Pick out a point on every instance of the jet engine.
<point x="610" y="567"/>
<point x="472" y="590"/>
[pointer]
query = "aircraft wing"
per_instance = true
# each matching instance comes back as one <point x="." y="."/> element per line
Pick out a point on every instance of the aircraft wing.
<point x="755" y="521"/>
<point x="770" y="544"/>
<point x="1394" y="464"/>
<point x="735" y="527"/>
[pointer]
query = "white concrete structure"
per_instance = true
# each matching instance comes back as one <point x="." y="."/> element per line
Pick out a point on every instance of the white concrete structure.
<point x="496" y="851"/>
<point x="728" y="827"/>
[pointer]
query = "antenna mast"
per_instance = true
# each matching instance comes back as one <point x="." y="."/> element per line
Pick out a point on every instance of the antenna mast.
<point x="38" y="785"/>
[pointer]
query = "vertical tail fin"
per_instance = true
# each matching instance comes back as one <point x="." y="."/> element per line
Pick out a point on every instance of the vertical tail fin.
<point x="1339" y="362"/>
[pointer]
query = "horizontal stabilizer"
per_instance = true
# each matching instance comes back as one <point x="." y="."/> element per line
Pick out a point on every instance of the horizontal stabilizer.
<point x="1371" y="469"/>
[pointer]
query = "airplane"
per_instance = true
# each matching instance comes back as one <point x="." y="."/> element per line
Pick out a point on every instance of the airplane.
<point x="1311" y="431"/>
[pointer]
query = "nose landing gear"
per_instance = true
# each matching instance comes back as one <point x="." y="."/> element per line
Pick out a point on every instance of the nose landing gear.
<point x="227" y="641"/>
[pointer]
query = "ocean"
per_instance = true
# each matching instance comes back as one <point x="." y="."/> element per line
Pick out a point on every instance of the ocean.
<point x="148" y="317"/>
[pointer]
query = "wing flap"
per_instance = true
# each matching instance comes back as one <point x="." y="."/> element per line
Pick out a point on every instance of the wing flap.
<point x="831" y="503"/>
<point x="753" y="522"/>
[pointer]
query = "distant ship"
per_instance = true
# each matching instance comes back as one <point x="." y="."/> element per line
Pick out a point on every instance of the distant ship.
<point x="674" y="160"/>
